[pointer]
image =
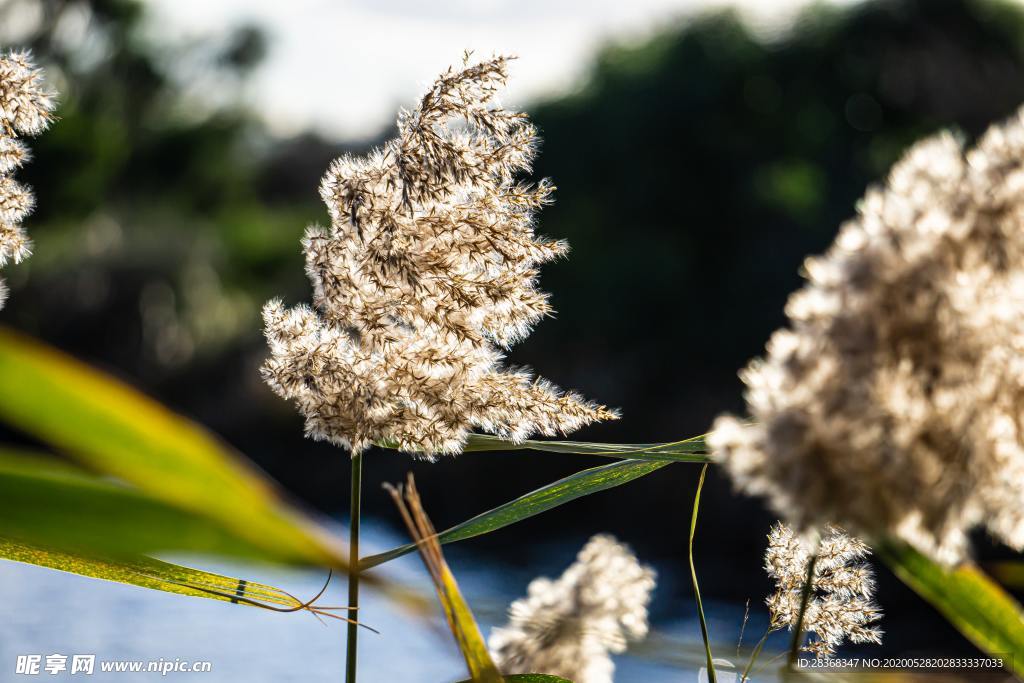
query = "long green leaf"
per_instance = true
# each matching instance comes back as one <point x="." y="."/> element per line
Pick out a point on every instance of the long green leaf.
<point x="693" y="449"/>
<point x="688" y="450"/>
<point x="58" y="516"/>
<point x="46" y="502"/>
<point x="543" y="499"/>
<point x="154" y="574"/>
<point x="114" y="429"/>
<point x="985" y="613"/>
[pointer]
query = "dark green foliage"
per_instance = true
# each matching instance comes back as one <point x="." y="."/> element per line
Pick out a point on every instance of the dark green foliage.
<point x="696" y="171"/>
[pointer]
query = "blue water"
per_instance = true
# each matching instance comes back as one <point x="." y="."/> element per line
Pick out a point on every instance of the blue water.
<point x="47" y="612"/>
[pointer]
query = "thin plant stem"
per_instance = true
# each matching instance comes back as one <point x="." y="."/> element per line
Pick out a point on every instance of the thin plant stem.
<point x="353" y="568"/>
<point x="754" y="655"/>
<point x="805" y="599"/>
<point x="712" y="678"/>
<point x="743" y="627"/>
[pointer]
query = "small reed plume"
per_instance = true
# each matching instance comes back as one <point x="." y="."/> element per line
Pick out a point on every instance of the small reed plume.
<point x="569" y="627"/>
<point x="428" y="270"/>
<point x="840" y="605"/>
<point x="26" y="108"/>
<point x="892" y="403"/>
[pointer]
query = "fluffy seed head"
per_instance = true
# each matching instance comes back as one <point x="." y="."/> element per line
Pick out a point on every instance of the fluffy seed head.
<point x="892" y="403"/>
<point x="570" y="626"/>
<point x="16" y="201"/>
<point x="429" y="268"/>
<point x="26" y="105"/>
<point x="25" y="108"/>
<point x="841" y="604"/>
<point x="13" y="153"/>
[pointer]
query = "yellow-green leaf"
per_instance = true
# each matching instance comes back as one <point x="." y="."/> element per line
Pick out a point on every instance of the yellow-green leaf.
<point x="154" y="574"/>
<point x="49" y="503"/>
<point x="460" y="617"/>
<point x="112" y="428"/>
<point x="543" y="499"/>
<point x="969" y="599"/>
<point x="470" y="641"/>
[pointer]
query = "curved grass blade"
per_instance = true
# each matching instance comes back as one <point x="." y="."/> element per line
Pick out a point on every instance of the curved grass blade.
<point x="693" y="449"/>
<point x="754" y="655"/>
<point x="460" y="617"/>
<point x="969" y="599"/>
<point x="688" y="450"/>
<point x="57" y="516"/>
<point x="696" y="587"/>
<point x="111" y="428"/>
<point x="543" y="499"/>
<point x="155" y="574"/>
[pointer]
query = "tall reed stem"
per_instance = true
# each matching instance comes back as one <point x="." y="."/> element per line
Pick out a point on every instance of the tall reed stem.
<point x="805" y="599"/>
<point x="353" y="568"/>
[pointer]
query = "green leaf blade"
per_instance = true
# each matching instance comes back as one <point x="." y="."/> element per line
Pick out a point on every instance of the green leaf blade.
<point x="111" y="428"/>
<point x="150" y="573"/>
<point x="692" y="450"/>
<point x="534" y="503"/>
<point x="969" y="599"/>
<point x="52" y="504"/>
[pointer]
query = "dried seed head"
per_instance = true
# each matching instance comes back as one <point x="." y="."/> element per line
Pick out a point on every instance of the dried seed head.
<point x="570" y="626"/>
<point x="841" y="604"/>
<point x="891" y="405"/>
<point x="26" y="105"/>
<point x="16" y="201"/>
<point x="13" y="153"/>
<point x="428" y="268"/>
<point x="25" y="108"/>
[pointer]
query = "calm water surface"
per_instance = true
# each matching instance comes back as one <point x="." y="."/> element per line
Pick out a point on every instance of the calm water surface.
<point x="47" y="612"/>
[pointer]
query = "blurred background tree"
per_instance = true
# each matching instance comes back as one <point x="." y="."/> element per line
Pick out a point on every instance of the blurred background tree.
<point x="695" y="171"/>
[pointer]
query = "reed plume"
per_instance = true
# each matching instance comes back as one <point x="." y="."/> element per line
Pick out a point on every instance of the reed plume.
<point x="426" y="274"/>
<point x="841" y="604"/>
<point x="570" y="626"/>
<point x="892" y="403"/>
<point x="26" y="109"/>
